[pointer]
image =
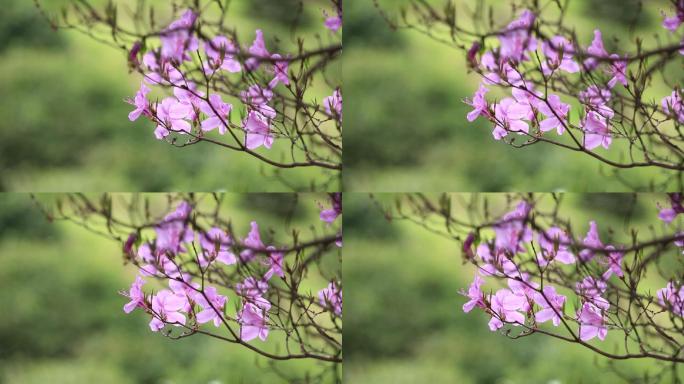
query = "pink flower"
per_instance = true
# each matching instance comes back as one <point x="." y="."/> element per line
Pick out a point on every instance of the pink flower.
<point x="556" y="113"/>
<point x="614" y="260"/>
<point x="672" y="105"/>
<point x="672" y="298"/>
<point x="252" y="318"/>
<point x="596" y="51"/>
<point x="331" y="297"/>
<point x="495" y="265"/>
<point x="255" y="95"/>
<point x="275" y="260"/>
<point x="509" y="115"/>
<point x="170" y="115"/>
<point x="166" y="306"/>
<point x="505" y="306"/>
<point x="475" y="295"/>
<point x="220" y="51"/>
<point x="252" y="242"/>
<point x="672" y="23"/>
<point x="618" y="69"/>
<point x="136" y="295"/>
<point x="258" y="51"/>
<point x="333" y="104"/>
<point x="499" y="73"/>
<point x="512" y="231"/>
<point x="592" y="241"/>
<point x="551" y="304"/>
<point x="142" y="106"/>
<point x="558" y="52"/>
<point x="212" y="306"/>
<point x="594" y="96"/>
<point x="251" y="288"/>
<point x="479" y="104"/>
<point x="516" y="39"/>
<point x="596" y="131"/>
<point x="257" y="131"/>
<point x="676" y="207"/>
<point x="215" y="245"/>
<point x="590" y="288"/>
<point x="217" y="118"/>
<point x="176" y="39"/>
<point x="331" y="214"/>
<point x="333" y="23"/>
<point x="554" y="246"/>
<point x="280" y="68"/>
<point x="592" y="322"/>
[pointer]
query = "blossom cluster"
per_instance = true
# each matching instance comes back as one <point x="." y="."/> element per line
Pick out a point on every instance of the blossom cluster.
<point x="191" y="111"/>
<point x="181" y="255"/>
<point x="521" y="53"/>
<point x="522" y="255"/>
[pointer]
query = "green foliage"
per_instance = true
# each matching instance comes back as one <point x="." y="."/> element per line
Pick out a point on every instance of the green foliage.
<point x="21" y="25"/>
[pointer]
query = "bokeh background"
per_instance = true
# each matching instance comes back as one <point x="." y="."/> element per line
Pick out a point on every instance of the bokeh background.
<point x="62" y="320"/>
<point x="65" y="123"/>
<point x="406" y="125"/>
<point x="404" y="321"/>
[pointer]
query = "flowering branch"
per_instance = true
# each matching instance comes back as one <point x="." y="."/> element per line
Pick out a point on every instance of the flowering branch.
<point x="216" y="90"/>
<point x="546" y="279"/>
<point x="202" y="265"/>
<point x="590" y="97"/>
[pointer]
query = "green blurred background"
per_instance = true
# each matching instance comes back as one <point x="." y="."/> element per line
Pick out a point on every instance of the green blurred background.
<point x="406" y="120"/>
<point x="403" y="312"/>
<point x="66" y="128"/>
<point x="62" y="320"/>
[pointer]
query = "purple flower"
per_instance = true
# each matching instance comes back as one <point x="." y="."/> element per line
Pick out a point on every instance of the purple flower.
<point x="257" y="131"/>
<point x="672" y="298"/>
<point x="511" y="231"/>
<point x="672" y="23"/>
<point x="142" y="106"/>
<point x="176" y="39"/>
<point x="215" y="245"/>
<point x="166" y="306"/>
<point x="554" y="246"/>
<point x="220" y="51"/>
<point x="594" y="96"/>
<point x="475" y="295"/>
<point x="614" y="261"/>
<point x="505" y="306"/>
<point x="331" y="297"/>
<point x="618" y="68"/>
<point x="333" y="104"/>
<point x="479" y="104"/>
<point x="255" y="95"/>
<point x="258" y="51"/>
<point x="136" y="295"/>
<point x="251" y="288"/>
<point x="672" y="105"/>
<point x="551" y="304"/>
<point x="556" y="113"/>
<point x="275" y="260"/>
<point x="516" y="39"/>
<point x="676" y="207"/>
<point x="596" y="130"/>
<point x="212" y="306"/>
<point x="590" y="288"/>
<point x="170" y="115"/>
<point x="280" y="68"/>
<point x="558" y="52"/>
<point x="509" y="115"/>
<point x="592" y="322"/>
<point x="252" y="318"/>
<point x="331" y="214"/>
<point x="215" y="119"/>
<point x="596" y="51"/>
<point x="592" y="241"/>
<point x="333" y="23"/>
